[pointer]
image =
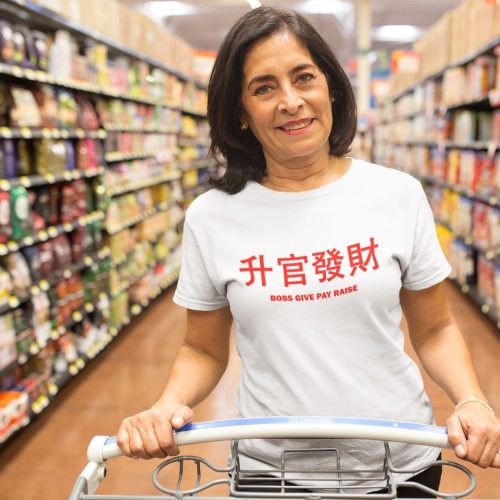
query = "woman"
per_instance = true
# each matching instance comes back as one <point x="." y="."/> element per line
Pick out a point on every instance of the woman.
<point x="314" y="256"/>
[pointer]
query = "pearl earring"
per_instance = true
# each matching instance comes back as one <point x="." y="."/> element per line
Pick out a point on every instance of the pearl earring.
<point x="244" y="126"/>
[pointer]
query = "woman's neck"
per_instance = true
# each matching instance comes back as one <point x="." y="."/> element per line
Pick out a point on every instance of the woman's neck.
<point x="305" y="175"/>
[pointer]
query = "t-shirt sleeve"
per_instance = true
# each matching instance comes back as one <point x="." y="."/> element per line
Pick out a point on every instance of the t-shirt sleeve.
<point x="427" y="264"/>
<point x="195" y="288"/>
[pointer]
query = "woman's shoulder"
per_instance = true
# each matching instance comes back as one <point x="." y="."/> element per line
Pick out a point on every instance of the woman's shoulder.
<point x="374" y="174"/>
<point x="213" y="202"/>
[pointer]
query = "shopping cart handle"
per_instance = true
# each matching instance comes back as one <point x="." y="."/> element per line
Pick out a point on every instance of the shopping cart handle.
<point x="103" y="447"/>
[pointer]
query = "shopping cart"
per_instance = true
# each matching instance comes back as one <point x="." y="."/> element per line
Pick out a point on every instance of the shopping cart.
<point x="279" y="480"/>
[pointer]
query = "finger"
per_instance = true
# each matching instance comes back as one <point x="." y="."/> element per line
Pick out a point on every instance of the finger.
<point x="496" y="460"/>
<point x="122" y="440"/>
<point x="136" y="444"/>
<point x="164" y="434"/>
<point x="456" y="436"/>
<point x="148" y="436"/>
<point x="181" y="416"/>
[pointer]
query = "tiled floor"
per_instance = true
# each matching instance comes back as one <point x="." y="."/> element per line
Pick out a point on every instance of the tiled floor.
<point x="44" y="460"/>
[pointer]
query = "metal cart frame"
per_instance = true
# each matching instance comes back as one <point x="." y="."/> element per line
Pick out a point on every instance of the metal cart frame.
<point x="284" y="481"/>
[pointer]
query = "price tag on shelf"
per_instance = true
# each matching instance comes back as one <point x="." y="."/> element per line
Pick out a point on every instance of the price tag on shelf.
<point x="67" y="226"/>
<point x="54" y="334"/>
<point x="26" y="133"/>
<point x="13" y="246"/>
<point x="35" y="290"/>
<point x="34" y="349"/>
<point x="29" y="240"/>
<point x="44" y="285"/>
<point x="80" y="363"/>
<point x="5" y="185"/>
<point x="36" y="408"/>
<point x="46" y="133"/>
<point x="88" y="261"/>
<point x="50" y="178"/>
<point x="29" y="74"/>
<point x="77" y="316"/>
<point x="13" y="301"/>
<point x="73" y="370"/>
<point x="89" y="307"/>
<point x="113" y="331"/>
<point x="52" y="388"/>
<point x="61" y="330"/>
<point x="25" y="181"/>
<point x="67" y="175"/>
<point x="41" y="76"/>
<point x="6" y="132"/>
<point x="65" y="134"/>
<point x="136" y="309"/>
<point x="42" y="235"/>
<point x="52" y="231"/>
<point x="67" y="273"/>
<point x="55" y="133"/>
<point x="22" y="359"/>
<point x="17" y="71"/>
<point x="3" y="249"/>
<point x="485" y="308"/>
<point x="80" y="133"/>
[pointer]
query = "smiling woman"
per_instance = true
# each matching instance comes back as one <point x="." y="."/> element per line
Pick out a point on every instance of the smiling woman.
<point x="314" y="256"/>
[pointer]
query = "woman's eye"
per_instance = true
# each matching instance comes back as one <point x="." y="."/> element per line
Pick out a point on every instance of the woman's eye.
<point x="263" y="89"/>
<point x="305" y="77"/>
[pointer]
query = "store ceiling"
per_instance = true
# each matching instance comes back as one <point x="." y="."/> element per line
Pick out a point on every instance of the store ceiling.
<point x="206" y="27"/>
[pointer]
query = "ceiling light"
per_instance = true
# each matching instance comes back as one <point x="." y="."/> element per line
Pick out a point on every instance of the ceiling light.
<point x="401" y="33"/>
<point x="161" y="9"/>
<point x="336" y="7"/>
<point x="254" y="3"/>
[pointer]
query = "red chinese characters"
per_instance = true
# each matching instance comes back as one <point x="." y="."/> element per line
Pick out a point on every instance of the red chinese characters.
<point x="326" y="265"/>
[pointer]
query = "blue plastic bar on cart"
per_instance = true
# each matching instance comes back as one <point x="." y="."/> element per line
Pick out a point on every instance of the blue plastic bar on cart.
<point x="309" y="427"/>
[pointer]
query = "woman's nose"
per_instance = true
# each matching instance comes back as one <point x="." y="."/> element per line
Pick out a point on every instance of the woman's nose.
<point x="290" y="101"/>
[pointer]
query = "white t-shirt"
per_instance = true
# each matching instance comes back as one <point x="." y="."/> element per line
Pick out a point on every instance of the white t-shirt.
<point x="313" y="281"/>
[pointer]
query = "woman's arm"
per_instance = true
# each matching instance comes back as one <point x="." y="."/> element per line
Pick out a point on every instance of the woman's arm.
<point x="473" y="430"/>
<point x="198" y="366"/>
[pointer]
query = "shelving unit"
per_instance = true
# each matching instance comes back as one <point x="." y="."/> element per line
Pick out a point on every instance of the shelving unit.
<point x="158" y="164"/>
<point x="450" y="141"/>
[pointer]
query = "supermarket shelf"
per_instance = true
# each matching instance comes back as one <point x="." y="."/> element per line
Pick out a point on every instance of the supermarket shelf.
<point x="53" y="19"/>
<point x="42" y="180"/>
<point x="485" y="308"/>
<point x="490" y="146"/>
<point x="197" y="164"/>
<point x="193" y="192"/>
<point x="193" y="111"/>
<point x="51" y="232"/>
<point x="470" y="57"/>
<point x="137" y="308"/>
<point x="44" y="285"/>
<point x="134" y="186"/>
<point x="145" y="130"/>
<point x="489" y="200"/>
<point x="490" y="255"/>
<point x="117" y="156"/>
<point x="50" y="133"/>
<point x="31" y="75"/>
<point x="118" y="262"/>
<point x="193" y="143"/>
<point x="162" y="207"/>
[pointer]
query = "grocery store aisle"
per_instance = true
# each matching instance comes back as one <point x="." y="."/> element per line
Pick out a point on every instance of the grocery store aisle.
<point x="44" y="460"/>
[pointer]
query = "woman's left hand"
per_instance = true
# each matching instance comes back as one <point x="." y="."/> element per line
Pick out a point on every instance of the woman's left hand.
<point x="474" y="434"/>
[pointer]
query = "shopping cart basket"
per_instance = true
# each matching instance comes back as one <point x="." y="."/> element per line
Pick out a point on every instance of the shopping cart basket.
<point x="279" y="480"/>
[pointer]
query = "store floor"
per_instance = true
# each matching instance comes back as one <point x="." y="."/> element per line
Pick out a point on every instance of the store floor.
<point x="44" y="460"/>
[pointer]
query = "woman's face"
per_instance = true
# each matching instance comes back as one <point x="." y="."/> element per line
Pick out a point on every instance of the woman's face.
<point x="286" y="100"/>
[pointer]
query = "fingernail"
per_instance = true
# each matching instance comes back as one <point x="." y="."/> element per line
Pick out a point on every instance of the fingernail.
<point x="178" y="421"/>
<point x="459" y="450"/>
<point x="135" y="457"/>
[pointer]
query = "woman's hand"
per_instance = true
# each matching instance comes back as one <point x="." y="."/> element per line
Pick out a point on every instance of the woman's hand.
<point x="474" y="434"/>
<point x="149" y="434"/>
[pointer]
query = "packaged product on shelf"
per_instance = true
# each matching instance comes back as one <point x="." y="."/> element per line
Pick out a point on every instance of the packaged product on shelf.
<point x="87" y="116"/>
<point x="13" y="412"/>
<point x="46" y="259"/>
<point x="88" y="156"/>
<point x="19" y="212"/>
<point x="486" y="280"/>
<point x="485" y="226"/>
<point x="61" y="252"/>
<point x="8" y="352"/>
<point x="484" y="126"/>
<point x="7" y="50"/>
<point x="480" y="77"/>
<point x="9" y="155"/>
<point x="25" y="111"/>
<point x="50" y="156"/>
<point x="67" y="108"/>
<point x="41" y="317"/>
<point x="32" y="256"/>
<point x="45" y="96"/>
<point x="465" y="126"/>
<point x="16" y="266"/>
<point x="25" y="335"/>
<point x="6" y="286"/>
<point x="486" y="179"/>
<point x="40" y="44"/>
<point x="60" y="55"/>
<point x="66" y="346"/>
<point x="5" y="227"/>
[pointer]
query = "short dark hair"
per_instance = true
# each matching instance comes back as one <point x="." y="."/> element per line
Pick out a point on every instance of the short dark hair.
<point x="242" y="151"/>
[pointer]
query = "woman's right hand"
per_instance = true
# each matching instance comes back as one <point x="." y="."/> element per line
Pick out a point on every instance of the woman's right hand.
<point x="149" y="434"/>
